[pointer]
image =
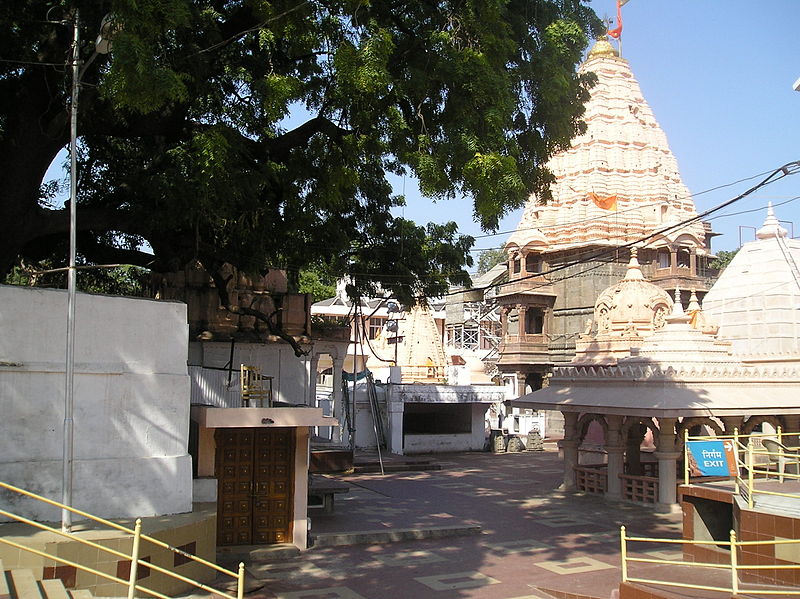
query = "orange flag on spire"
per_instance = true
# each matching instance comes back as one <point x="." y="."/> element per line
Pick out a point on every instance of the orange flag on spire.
<point x="604" y="202"/>
<point x="617" y="31"/>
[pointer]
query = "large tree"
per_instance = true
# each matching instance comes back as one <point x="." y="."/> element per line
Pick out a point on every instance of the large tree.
<point x="260" y="133"/>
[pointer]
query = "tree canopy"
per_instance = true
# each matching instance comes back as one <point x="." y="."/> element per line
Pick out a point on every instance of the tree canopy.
<point x="261" y="133"/>
<point x="488" y="259"/>
<point x="722" y="259"/>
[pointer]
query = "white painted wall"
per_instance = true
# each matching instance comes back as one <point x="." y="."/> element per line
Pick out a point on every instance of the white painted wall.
<point x="473" y="441"/>
<point x="479" y="397"/>
<point x="131" y="398"/>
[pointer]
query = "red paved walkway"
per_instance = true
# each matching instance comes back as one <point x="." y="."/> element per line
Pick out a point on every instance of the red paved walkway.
<point x="534" y="538"/>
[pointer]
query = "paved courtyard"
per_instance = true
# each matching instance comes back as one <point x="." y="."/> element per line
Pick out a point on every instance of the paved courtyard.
<point x="533" y="538"/>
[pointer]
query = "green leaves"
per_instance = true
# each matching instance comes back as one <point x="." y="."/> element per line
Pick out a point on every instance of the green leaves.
<point x="494" y="182"/>
<point x="141" y="77"/>
<point x="363" y="69"/>
<point x="260" y="132"/>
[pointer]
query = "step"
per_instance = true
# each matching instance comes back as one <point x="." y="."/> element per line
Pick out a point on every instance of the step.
<point x="24" y="584"/>
<point x="5" y="592"/>
<point x="368" y="537"/>
<point x="371" y="467"/>
<point x="54" y="589"/>
<point x="255" y="553"/>
<point x="81" y="594"/>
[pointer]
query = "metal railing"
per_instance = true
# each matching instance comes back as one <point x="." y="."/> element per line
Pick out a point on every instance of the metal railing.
<point x="753" y="462"/>
<point x="133" y="557"/>
<point x="733" y="567"/>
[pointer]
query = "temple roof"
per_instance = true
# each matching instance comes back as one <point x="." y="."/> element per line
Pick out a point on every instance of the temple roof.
<point x="622" y="159"/>
<point x="756" y="300"/>
<point x="678" y="370"/>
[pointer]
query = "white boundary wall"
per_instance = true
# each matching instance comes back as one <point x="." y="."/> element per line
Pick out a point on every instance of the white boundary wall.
<point x="131" y="403"/>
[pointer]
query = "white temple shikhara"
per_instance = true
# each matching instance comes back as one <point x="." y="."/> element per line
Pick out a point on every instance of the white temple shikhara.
<point x="618" y="184"/>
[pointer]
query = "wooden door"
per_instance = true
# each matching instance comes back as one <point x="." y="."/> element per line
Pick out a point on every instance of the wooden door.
<point x="255" y="481"/>
<point x="272" y="509"/>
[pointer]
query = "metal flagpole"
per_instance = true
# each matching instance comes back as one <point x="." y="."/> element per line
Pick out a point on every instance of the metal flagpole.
<point x="66" y="488"/>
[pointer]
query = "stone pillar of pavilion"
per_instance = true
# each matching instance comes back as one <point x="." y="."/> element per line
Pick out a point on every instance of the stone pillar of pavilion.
<point x="667" y="456"/>
<point x="338" y="412"/>
<point x="521" y="382"/>
<point x="569" y="447"/>
<point x="633" y="452"/>
<point x="615" y="449"/>
<point x="311" y="399"/>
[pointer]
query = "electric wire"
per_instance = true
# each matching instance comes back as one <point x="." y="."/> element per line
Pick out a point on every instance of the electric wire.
<point x="775" y="175"/>
<point x="677" y="198"/>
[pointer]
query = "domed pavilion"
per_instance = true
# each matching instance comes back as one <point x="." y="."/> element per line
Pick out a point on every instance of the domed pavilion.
<point x="645" y="367"/>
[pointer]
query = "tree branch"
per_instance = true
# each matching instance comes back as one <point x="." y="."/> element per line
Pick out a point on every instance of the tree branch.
<point x="222" y="290"/>
<point x="300" y="136"/>
<point x="100" y="253"/>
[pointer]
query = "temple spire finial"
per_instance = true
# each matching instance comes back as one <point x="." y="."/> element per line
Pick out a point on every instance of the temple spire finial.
<point x="772" y="226"/>
<point x="634" y="272"/>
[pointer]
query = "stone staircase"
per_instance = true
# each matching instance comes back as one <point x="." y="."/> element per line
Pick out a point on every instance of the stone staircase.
<point x="21" y="584"/>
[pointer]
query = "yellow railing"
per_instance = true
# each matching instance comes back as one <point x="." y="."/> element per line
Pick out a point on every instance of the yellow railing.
<point x="734" y="568"/>
<point x="750" y="457"/>
<point x="134" y="558"/>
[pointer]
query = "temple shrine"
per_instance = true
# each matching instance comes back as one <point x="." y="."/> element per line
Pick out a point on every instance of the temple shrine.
<point x="649" y="371"/>
<point x="617" y="185"/>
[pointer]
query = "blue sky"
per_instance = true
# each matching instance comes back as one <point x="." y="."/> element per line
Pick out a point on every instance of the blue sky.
<point x="718" y="76"/>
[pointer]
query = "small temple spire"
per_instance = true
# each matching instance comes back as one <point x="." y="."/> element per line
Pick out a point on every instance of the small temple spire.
<point x="678" y="315"/>
<point x="772" y="226"/>
<point x="694" y="303"/>
<point x="634" y="272"/>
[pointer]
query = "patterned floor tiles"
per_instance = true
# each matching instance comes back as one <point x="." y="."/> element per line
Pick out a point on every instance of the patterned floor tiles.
<point x="598" y="537"/>
<point x="523" y="546"/>
<point x="573" y="565"/>
<point x="326" y="593"/>
<point x="382" y="511"/>
<point x="518" y="481"/>
<point x="666" y="555"/>
<point x="457" y="580"/>
<point x="562" y="520"/>
<point x="487" y="493"/>
<point x="532" y="536"/>
<point x="289" y="571"/>
<point x="409" y="558"/>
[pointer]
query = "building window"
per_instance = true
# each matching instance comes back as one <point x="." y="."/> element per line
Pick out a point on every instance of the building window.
<point x="533" y="264"/>
<point x="663" y="258"/>
<point x="376" y="326"/>
<point x="517" y="266"/>
<point x="534" y="321"/>
<point x="683" y="258"/>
